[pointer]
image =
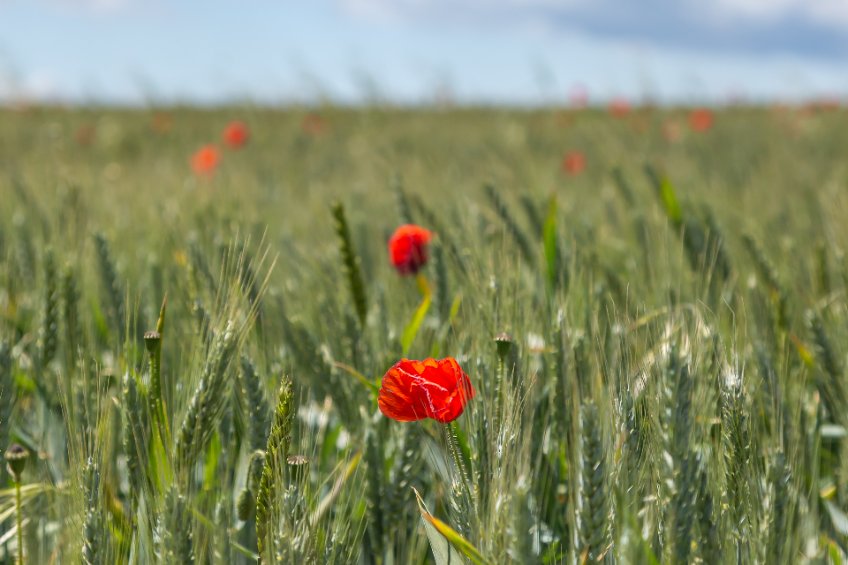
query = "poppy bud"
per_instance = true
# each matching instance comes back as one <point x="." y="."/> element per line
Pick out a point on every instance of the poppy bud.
<point x="152" y="341"/>
<point x="16" y="460"/>
<point x="503" y="343"/>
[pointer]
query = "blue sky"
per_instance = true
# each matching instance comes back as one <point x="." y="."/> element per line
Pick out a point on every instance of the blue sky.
<point x="418" y="51"/>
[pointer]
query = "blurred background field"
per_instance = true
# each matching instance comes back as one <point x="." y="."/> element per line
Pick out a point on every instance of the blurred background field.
<point x="300" y="159"/>
<point x="674" y="297"/>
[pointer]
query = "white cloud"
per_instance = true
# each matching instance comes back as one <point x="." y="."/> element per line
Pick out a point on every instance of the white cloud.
<point x="821" y="11"/>
<point x="754" y="9"/>
<point x="91" y="6"/>
<point x="371" y="9"/>
<point x="813" y="28"/>
<point x="394" y="9"/>
<point x="38" y="84"/>
<point x="829" y="11"/>
<point x="825" y="12"/>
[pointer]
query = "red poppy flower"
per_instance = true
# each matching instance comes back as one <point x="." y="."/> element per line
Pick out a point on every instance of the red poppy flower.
<point x="408" y="248"/>
<point x="236" y="134"/>
<point x="619" y="107"/>
<point x="414" y="390"/>
<point x="313" y="125"/>
<point x="573" y="163"/>
<point x="205" y="160"/>
<point x="701" y="119"/>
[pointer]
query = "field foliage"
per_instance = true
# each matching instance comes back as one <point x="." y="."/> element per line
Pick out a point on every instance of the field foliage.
<point x="192" y="361"/>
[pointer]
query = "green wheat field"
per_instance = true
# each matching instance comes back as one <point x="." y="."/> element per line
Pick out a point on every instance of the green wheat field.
<point x="657" y="342"/>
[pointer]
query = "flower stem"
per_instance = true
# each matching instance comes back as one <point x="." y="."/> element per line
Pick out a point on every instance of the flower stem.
<point x="20" y="520"/>
<point x="423" y="285"/>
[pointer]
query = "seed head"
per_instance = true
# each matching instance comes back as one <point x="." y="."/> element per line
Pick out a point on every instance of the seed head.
<point x="16" y="459"/>
<point x="297" y="466"/>
<point x="503" y="343"/>
<point x="152" y="340"/>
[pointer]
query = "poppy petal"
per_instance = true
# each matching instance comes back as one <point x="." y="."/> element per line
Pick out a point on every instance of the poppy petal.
<point x="396" y="399"/>
<point x="413" y="390"/>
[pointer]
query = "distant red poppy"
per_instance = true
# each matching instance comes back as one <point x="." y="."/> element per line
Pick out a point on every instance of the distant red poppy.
<point x="236" y="134"/>
<point x="408" y="248"/>
<point x="619" y="107"/>
<point x="85" y="135"/>
<point x="414" y="390"/>
<point x="205" y="160"/>
<point x="313" y="124"/>
<point x="161" y="122"/>
<point x="701" y="119"/>
<point x="823" y="104"/>
<point x="564" y="118"/>
<point x="573" y="163"/>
